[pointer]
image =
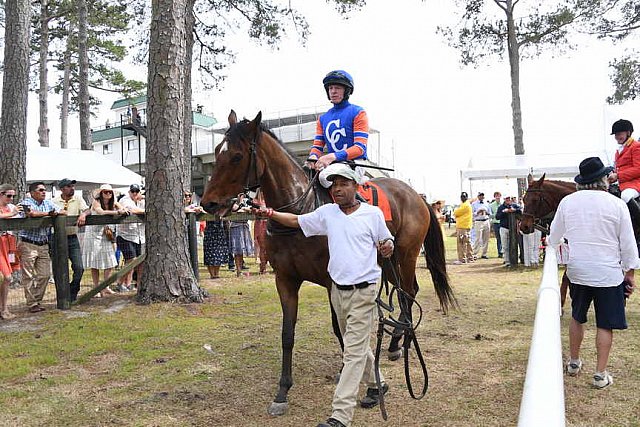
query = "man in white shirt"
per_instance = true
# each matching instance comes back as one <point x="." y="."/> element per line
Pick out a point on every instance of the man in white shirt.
<point x="355" y="233"/>
<point x="603" y="257"/>
<point x="481" y="226"/>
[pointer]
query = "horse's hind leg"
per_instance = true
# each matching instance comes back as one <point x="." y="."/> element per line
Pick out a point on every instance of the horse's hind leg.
<point x="288" y="292"/>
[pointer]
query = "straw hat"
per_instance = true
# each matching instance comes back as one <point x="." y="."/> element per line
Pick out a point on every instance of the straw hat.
<point x="103" y="187"/>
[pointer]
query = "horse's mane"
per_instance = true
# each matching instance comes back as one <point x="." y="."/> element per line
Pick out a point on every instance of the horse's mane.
<point x="554" y="182"/>
<point x="241" y="128"/>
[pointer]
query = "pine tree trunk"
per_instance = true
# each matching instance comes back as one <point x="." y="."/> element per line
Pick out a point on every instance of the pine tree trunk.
<point x="43" y="90"/>
<point x="516" y="109"/>
<point x="15" y="89"/>
<point x="66" y="86"/>
<point x="83" y="84"/>
<point x="188" y="110"/>
<point x="167" y="272"/>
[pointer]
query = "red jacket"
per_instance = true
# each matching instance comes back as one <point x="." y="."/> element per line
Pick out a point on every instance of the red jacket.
<point x="628" y="165"/>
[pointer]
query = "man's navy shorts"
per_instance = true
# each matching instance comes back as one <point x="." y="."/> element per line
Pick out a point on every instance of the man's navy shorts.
<point x="129" y="249"/>
<point x="607" y="302"/>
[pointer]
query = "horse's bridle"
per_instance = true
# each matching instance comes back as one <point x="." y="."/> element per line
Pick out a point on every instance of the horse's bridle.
<point x="542" y="222"/>
<point x="250" y="186"/>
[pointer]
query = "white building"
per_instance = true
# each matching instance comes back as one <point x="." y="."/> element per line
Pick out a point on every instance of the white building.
<point x="124" y="140"/>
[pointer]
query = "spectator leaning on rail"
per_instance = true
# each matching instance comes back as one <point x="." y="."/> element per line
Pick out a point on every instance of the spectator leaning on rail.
<point x="507" y="207"/>
<point x="74" y="206"/>
<point x="344" y="129"/>
<point x="130" y="236"/>
<point x="355" y="232"/>
<point x="8" y="258"/>
<point x="463" y="214"/>
<point x="34" y="246"/>
<point x="601" y="267"/>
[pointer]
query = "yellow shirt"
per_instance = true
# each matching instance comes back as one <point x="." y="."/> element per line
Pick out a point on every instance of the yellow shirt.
<point x="74" y="206"/>
<point x="463" y="214"/>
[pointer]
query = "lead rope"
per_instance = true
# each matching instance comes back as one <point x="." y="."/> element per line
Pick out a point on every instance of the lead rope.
<point x="408" y="332"/>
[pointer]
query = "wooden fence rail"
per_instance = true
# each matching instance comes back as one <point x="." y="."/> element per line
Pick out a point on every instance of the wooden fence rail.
<point x="59" y="249"/>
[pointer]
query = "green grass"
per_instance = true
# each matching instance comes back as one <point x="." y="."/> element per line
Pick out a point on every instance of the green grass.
<point x="146" y="365"/>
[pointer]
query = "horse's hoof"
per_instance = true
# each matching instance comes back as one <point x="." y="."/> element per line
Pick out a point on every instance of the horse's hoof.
<point x="278" y="408"/>
<point x="394" y="355"/>
<point x="336" y="379"/>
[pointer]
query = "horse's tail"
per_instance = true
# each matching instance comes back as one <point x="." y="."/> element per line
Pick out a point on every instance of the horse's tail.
<point x="434" y="254"/>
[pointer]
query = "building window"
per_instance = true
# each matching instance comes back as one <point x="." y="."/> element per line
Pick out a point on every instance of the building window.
<point x="132" y="145"/>
<point x="106" y="149"/>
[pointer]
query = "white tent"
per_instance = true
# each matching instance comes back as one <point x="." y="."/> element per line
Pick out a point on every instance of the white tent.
<point x="87" y="167"/>
<point x="563" y="165"/>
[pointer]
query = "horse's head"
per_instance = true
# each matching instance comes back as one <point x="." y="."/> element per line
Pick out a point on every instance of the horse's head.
<point x="236" y="167"/>
<point x="535" y="206"/>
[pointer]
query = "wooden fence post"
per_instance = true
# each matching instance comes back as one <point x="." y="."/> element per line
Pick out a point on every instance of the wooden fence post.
<point x="60" y="262"/>
<point x="512" y="250"/>
<point x="192" y="235"/>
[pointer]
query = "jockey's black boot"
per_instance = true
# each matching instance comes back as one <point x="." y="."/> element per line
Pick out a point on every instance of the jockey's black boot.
<point x="634" y="210"/>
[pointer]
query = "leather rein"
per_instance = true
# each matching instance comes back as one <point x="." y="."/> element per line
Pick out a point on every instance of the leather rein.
<point x="406" y="326"/>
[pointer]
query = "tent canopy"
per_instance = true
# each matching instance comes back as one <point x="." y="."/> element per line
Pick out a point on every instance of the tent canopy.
<point x="87" y="167"/>
<point x="563" y="165"/>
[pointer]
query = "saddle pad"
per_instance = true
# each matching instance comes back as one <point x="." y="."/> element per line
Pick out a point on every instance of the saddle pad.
<point x="374" y="195"/>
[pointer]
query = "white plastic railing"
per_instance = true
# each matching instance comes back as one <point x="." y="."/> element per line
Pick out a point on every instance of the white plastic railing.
<point x="543" y="395"/>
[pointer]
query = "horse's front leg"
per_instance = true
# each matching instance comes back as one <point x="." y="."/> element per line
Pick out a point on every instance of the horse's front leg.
<point x="336" y="331"/>
<point x="288" y="292"/>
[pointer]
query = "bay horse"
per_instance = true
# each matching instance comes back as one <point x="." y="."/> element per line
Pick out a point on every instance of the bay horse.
<point x="251" y="156"/>
<point x="541" y="202"/>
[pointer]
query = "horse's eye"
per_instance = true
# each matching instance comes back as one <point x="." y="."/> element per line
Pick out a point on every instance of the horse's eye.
<point x="236" y="158"/>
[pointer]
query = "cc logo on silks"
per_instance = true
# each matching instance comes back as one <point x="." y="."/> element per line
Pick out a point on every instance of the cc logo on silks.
<point x="333" y="136"/>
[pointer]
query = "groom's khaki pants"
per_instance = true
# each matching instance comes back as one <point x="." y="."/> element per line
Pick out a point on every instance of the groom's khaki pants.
<point x="355" y="311"/>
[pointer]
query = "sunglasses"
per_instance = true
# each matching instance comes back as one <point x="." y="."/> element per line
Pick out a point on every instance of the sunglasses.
<point x="107" y="192"/>
<point x="41" y="189"/>
<point x="186" y="196"/>
<point x="8" y="195"/>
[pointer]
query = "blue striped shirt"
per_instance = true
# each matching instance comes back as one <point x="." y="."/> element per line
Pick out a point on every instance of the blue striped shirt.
<point x="40" y="234"/>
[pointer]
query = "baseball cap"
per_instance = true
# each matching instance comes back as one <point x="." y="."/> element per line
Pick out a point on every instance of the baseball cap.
<point x="66" y="181"/>
<point x="134" y="188"/>
<point x="464" y="194"/>
<point x="480" y="194"/>
<point x="340" y="169"/>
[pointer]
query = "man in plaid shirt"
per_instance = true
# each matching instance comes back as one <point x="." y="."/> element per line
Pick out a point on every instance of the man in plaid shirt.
<point x="34" y="246"/>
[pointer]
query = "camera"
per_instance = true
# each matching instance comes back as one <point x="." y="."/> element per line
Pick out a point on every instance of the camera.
<point x="26" y="208"/>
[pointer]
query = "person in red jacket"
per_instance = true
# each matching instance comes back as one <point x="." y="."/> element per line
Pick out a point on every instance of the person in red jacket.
<point x="627" y="170"/>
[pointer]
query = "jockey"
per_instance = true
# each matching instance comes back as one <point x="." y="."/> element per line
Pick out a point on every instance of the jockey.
<point x="344" y="129"/>
<point x="627" y="171"/>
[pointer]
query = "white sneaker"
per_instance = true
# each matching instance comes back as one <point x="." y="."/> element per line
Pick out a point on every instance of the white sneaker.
<point x="602" y="380"/>
<point x="574" y="367"/>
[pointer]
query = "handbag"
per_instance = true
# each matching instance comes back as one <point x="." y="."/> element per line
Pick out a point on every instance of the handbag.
<point x="108" y="232"/>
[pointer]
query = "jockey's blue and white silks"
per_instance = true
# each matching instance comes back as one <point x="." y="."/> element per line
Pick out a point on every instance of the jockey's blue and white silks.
<point x="344" y="131"/>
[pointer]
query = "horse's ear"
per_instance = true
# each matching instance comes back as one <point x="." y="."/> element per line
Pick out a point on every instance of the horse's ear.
<point x="542" y="179"/>
<point x="258" y="119"/>
<point x="529" y="179"/>
<point x="233" y="118"/>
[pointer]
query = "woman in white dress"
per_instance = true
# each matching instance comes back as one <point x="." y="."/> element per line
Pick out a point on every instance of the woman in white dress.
<point x="98" y="251"/>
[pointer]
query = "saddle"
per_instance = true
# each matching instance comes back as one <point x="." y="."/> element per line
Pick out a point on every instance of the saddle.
<point x="374" y="195"/>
